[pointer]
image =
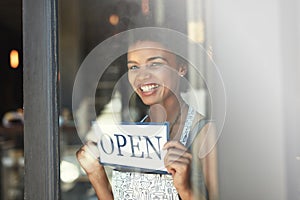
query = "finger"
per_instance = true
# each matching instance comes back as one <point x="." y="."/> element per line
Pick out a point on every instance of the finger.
<point x="177" y="167"/>
<point x="172" y="159"/>
<point x="92" y="148"/>
<point x="178" y="155"/>
<point x="80" y="152"/>
<point x="84" y="153"/>
<point x="178" y="152"/>
<point x="174" y="144"/>
<point x="171" y="171"/>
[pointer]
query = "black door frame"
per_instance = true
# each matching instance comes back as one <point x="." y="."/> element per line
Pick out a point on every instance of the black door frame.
<point x="41" y="138"/>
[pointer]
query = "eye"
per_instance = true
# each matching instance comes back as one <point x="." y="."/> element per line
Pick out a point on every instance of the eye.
<point x="156" y="64"/>
<point x="133" y="67"/>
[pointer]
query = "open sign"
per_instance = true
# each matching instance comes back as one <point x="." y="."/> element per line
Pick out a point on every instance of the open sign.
<point x="133" y="146"/>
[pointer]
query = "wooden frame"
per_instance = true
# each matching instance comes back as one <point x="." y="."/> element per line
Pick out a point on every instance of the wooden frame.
<point x="41" y="139"/>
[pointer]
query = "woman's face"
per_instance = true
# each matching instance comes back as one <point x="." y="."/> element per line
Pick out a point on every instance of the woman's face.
<point x="153" y="72"/>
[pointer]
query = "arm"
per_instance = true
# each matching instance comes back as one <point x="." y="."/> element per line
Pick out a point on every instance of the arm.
<point x="95" y="172"/>
<point x="178" y="162"/>
<point x="206" y="151"/>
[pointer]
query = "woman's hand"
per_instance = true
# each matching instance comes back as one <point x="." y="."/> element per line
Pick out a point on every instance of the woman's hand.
<point x="88" y="159"/>
<point x="87" y="156"/>
<point x="178" y="162"/>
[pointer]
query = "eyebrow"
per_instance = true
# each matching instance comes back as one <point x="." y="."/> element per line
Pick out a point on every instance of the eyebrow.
<point x="149" y="59"/>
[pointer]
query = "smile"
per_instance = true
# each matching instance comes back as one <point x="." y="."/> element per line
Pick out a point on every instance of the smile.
<point x="148" y="88"/>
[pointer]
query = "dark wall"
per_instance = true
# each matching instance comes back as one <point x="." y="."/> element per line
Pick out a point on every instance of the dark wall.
<point x="11" y="81"/>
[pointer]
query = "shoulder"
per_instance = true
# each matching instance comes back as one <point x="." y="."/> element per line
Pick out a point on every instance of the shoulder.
<point x="202" y="126"/>
<point x="201" y="119"/>
<point x="204" y="131"/>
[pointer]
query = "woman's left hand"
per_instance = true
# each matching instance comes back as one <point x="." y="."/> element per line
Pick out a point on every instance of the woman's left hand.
<point x="178" y="162"/>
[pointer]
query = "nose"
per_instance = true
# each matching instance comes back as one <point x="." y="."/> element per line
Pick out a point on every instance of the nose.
<point x="143" y="74"/>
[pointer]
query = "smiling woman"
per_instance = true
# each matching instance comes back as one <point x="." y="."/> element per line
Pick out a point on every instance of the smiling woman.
<point x="155" y="73"/>
<point x="152" y="72"/>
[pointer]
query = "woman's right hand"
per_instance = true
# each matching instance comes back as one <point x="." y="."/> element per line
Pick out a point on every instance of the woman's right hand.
<point x="88" y="156"/>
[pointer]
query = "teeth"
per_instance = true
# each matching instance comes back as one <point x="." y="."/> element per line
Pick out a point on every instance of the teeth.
<point x="148" y="88"/>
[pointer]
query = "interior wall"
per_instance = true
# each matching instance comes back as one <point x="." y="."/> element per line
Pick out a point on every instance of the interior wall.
<point x="255" y="51"/>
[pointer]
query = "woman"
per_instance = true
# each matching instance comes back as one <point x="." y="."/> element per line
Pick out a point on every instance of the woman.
<point x="155" y="74"/>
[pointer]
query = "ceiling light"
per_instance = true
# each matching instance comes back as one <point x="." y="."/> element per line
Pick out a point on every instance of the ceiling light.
<point x="114" y="19"/>
<point x="14" y="59"/>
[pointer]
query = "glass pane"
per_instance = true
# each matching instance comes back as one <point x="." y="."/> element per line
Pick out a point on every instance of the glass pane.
<point x="96" y="85"/>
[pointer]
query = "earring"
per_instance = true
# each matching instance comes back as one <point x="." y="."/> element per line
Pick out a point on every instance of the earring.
<point x="181" y="75"/>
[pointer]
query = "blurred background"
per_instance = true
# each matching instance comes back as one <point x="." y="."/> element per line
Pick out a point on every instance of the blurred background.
<point x="256" y="46"/>
<point x="11" y="101"/>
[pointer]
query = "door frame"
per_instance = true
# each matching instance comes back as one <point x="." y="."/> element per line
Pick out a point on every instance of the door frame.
<point x="41" y="137"/>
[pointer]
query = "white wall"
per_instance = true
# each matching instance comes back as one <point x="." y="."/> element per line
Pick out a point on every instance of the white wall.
<point x="290" y="40"/>
<point x="255" y="47"/>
